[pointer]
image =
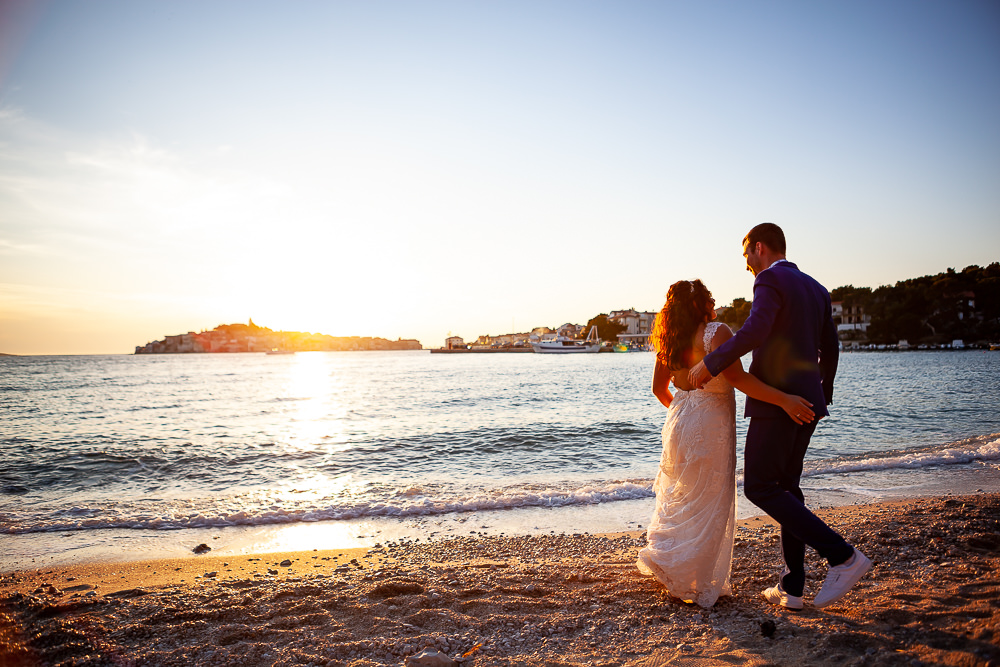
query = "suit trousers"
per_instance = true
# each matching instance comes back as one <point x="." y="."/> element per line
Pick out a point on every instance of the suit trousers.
<point x="775" y="450"/>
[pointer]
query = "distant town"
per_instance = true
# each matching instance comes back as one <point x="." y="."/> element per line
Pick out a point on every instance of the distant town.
<point x="949" y="310"/>
<point x="630" y="328"/>
<point x="954" y="309"/>
<point x="253" y="338"/>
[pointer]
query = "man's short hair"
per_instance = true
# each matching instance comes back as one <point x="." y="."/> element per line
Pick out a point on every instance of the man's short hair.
<point x="769" y="234"/>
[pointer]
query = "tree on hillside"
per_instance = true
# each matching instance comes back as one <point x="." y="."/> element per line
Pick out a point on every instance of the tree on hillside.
<point x="852" y="296"/>
<point x="736" y="313"/>
<point x="938" y="309"/>
<point x="606" y="329"/>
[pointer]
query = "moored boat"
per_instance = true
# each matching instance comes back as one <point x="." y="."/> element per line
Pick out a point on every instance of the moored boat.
<point x="564" y="345"/>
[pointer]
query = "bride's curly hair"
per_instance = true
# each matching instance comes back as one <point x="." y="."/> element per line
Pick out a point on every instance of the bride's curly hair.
<point x="686" y="307"/>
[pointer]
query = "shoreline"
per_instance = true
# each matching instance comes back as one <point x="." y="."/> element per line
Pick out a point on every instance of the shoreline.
<point x="525" y="600"/>
<point x="24" y="551"/>
<point x="117" y="575"/>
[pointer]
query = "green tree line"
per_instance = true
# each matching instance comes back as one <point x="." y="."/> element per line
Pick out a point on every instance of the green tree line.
<point x="931" y="309"/>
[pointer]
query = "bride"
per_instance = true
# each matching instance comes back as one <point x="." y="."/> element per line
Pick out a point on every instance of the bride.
<point x="690" y="537"/>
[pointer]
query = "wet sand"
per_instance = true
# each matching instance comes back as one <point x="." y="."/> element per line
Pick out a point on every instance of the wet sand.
<point x="933" y="598"/>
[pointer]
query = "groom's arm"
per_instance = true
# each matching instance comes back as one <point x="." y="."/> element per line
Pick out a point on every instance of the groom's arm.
<point x="764" y="310"/>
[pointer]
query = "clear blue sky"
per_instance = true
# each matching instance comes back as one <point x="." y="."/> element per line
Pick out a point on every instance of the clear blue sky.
<point x="418" y="168"/>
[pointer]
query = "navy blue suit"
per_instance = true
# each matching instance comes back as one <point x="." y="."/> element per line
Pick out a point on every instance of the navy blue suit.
<point x="793" y="338"/>
<point x="795" y="349"/>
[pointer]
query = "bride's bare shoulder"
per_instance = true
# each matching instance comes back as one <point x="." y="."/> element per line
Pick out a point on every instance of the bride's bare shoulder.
<point x="721" y="335"/>
<point x="722" y="330"/>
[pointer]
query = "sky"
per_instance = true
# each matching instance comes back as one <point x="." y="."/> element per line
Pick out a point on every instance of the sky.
<point x="419" y="169"/>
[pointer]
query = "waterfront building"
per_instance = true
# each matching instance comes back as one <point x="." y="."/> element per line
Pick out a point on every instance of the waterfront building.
<point x="852" y="321"/>
<point x="638" y="325"/>
<point x="454" y="343"/>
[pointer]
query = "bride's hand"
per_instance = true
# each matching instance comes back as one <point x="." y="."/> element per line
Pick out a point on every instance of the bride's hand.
<point x="798" y="408"/>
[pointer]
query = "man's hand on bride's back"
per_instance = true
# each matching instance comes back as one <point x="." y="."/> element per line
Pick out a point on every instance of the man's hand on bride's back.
<point x="699" y="375"/>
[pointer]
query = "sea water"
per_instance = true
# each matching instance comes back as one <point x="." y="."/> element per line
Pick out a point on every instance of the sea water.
<point x="141" y="456"/>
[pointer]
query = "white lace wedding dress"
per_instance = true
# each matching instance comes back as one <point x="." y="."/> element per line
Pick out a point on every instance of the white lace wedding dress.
<point x="690" y="537"/>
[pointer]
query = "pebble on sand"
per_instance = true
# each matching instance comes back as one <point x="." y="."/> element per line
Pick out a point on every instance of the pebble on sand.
<point x="429" y="658"/>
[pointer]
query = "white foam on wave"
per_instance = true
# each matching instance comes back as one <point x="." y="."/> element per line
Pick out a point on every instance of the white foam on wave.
<point x="984" y="448"/>
<point x="416" y="501"/>
<point x="981" y="448"/>
<point x="220" y="514"/>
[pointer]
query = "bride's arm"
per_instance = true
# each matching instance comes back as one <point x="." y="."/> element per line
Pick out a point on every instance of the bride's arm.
<point x="796" y="407"/>
<point x="661" y="383"/>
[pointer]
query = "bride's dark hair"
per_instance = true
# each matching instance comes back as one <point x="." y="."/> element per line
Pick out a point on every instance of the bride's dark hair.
<point x="686" y="307"/>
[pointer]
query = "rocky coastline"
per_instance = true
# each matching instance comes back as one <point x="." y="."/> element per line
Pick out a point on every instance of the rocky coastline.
<point x="231" y="338"/>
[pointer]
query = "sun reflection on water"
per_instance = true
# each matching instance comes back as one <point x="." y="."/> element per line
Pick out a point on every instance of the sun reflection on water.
<point x="318" y="486"/>
<point x="317" y="420"/>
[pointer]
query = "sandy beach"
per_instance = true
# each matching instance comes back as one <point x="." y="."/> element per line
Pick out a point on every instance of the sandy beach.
<point x="933" y="598"/>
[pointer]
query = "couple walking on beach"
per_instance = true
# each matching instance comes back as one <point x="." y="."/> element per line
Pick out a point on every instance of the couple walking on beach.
<point x="795" y="352"/>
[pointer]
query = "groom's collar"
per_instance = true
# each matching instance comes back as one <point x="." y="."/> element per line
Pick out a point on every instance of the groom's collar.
<point x="777" y="261"/>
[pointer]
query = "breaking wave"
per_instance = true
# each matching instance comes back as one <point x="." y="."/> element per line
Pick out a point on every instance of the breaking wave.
<point x="438" y="499"/>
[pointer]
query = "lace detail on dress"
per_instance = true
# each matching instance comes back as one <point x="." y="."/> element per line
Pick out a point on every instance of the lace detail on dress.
<point x="718" y="384"/>
<point x="690" y="536"/>
<point x="706" y="340"/>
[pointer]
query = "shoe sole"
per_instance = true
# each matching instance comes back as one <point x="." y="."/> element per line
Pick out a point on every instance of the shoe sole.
<point x="847" y="589"/>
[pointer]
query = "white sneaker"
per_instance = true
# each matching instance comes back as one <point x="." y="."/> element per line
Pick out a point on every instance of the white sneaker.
<point x="841" y="578"/>
<point x="776" y="595"/>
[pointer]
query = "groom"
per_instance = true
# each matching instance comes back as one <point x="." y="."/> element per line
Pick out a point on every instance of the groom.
<point x="795" y="349"/>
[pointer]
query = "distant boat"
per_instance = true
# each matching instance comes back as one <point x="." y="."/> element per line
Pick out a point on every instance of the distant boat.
<point x="564" y="345"/>
<point x="275" y="350"/>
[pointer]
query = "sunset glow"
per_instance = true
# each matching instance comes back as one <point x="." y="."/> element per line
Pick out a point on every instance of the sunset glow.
<point x="406" y="170"/>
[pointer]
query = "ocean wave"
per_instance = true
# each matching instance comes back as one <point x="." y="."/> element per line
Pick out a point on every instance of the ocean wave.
<point x="265" y="459"/>
<point x="981" y="448"/>
<point x="408" y="502"/>
<point x="435" y="498"/>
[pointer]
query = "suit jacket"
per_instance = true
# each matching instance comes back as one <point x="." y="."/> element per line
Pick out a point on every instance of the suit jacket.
<point x="794" y="340"/>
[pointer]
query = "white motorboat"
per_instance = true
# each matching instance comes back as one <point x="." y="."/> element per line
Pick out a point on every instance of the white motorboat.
<point x="564" y="345"/>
